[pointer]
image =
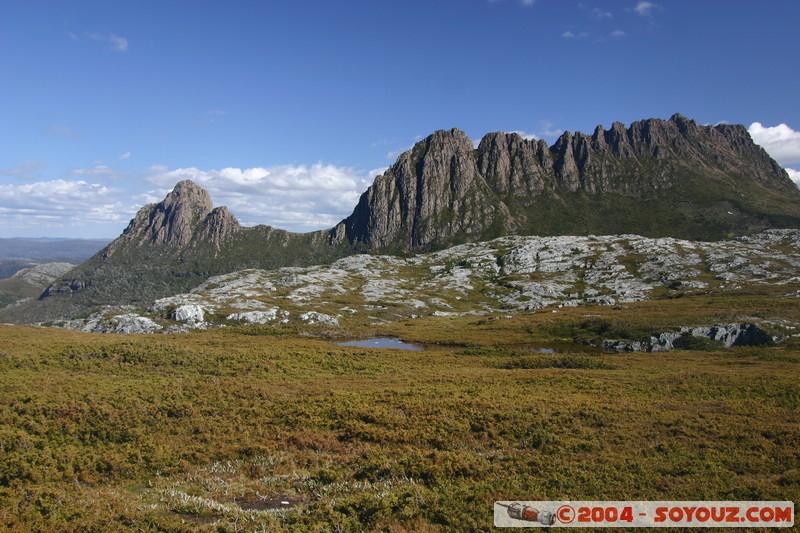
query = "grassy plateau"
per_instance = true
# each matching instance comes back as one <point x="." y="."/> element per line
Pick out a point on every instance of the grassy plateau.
<point x="213" y="430"/>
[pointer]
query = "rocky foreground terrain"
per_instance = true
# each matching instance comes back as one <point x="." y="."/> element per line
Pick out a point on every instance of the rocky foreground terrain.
<point x="500" y="276"/>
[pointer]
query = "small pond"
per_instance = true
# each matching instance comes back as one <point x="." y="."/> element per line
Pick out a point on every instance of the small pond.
<point x="383" y="342"/>
<point x="397" y="344"/>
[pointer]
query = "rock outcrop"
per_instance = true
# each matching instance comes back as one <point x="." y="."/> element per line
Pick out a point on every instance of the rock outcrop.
<point x="126" y="324"/>
<point x="42" y="275"/>
<point x="727" y="335"/>
<point x="503" y="276"/>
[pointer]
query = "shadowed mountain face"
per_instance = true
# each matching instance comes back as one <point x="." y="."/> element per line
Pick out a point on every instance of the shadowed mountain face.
<point x="656" y="178"/>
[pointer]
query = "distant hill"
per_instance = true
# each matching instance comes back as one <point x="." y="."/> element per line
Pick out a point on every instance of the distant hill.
<point x="19" y="253"/>
<point x="656" y="178"/>
<point x="31" y="281"/>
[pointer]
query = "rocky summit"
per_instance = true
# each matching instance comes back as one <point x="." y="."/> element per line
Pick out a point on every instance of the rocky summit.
<point x="184" y="217"/>
<point x="656" y="178"/>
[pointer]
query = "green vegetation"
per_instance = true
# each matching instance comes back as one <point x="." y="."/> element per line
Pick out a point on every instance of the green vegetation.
<point x="13" y="290"/>
<point x="210" y="431"/>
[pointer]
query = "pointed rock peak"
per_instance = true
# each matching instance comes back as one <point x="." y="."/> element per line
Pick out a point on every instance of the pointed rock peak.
<point x="451" y="133"/>
<point x="454" y="137"/>
<point x="172" y="221"/>
<point x="496" y="139"/>
<point x="684" y="124"/>
<point x="221" y="216"/>
<point x="187" y="185"/>
<point x="494" y="136"/>
<point x="218" y="225"/>
<point x="563" y="142"/>
<point x="223" y="212"/>
<point x="437" y="145"/>
<point x="618" y="128"/>
<point x="188" y="194"/>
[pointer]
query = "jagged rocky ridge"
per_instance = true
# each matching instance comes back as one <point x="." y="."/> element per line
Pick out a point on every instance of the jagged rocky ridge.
<point x="656" y="178"/>
<point x="505" y="275"/>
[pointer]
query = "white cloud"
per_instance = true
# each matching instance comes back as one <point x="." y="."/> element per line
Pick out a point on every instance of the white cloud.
<point x="97" y="170"/>
<point x="572" y="35"/>
<point x="617" y="34"/>
<point x="794" y="174"/>
<point x="125" y="156"/>
<point x="645" y="9"/>
<point x="120" y="44"/>
<point x="548" y="129"/>
<point x="293" y="197"/>
<point x="51" y="207"/>
<point x="599" y="14"/>
<point x="781" y="142"/>
<point x="376" y="172"/>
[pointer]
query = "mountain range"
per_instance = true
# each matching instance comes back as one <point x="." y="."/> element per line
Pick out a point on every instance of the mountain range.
<point x="655" y="178"/>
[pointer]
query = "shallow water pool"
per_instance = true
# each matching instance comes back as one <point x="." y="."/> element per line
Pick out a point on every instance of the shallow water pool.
<point x="383" y="342"/>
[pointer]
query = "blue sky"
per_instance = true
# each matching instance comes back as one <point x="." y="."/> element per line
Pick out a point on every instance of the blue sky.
<point x="285" y="110"/>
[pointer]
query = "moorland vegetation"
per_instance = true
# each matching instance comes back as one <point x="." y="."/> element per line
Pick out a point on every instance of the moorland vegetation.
<point x="212" y="430"/>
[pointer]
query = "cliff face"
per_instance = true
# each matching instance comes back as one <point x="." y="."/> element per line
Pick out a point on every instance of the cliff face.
<point x="445" y="191"/>
<point x="432" y="192"/>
